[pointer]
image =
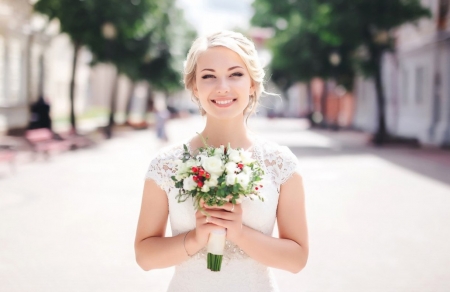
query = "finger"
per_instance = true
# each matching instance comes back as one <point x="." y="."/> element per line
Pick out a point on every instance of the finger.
<point x="222" y="214"/>
<point x="220" y="222"/>
<point x="227" y="207"/>
<point x="201" y="213"/>
<point x="205" y="220"/>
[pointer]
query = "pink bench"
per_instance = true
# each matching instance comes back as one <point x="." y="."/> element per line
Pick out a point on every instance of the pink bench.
<point x="42" y="141"/>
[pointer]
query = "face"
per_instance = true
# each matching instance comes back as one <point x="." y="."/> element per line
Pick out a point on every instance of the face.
<point x="222" y="83"/>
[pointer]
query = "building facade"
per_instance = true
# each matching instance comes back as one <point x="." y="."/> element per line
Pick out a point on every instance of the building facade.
<point x="35" y="59"/>
<point x="416" y="81"/>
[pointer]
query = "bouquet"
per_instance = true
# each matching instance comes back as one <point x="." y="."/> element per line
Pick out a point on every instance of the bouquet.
<point x="217" y="176"/>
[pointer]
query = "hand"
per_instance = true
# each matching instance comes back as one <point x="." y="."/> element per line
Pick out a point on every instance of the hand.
<point x="203" y="226"/>
<point x="224" y="217"/>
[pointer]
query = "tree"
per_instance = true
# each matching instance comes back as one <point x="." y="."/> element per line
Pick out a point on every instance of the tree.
<point x="84" y="22"/>
<point x="360" y="30"/>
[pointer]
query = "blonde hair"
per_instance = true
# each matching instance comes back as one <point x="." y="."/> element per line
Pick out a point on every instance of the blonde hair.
<point x="237" y="43"/>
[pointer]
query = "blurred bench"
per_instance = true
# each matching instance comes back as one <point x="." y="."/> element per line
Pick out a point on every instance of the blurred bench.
<point x="43" y="141"/>
<point x="77" y="141"/>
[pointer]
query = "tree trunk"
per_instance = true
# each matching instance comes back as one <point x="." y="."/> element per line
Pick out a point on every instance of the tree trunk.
<point x="112" y="107"/>
<point x="77" y="47"/>
<point x="129" y="101"/>
<point x="381" y="135"/>
<point x="323" y="104"/>
<point x="310" y="111"/>
<point x="149" y="106"/>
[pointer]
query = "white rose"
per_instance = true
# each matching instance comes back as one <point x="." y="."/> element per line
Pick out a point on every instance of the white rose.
<point x="201" y="158"/>
<point x="230" y="167"/>
<point x="213" y="165"/>
<point x="234" y="155"/>
<point x="180" y="166"/>
<point x="212" y="181"/>
<point x="219" y="152"/>
<point x="243" y="179"/>
<point x="230" y="179"/>
<point x="246" y="157"/>
<point x="247" y="170"/>
<point x="189" y="184"/>
<point x="180" y="176"/>
<point x="190" y="163"/>
<point x="205" y="188"/>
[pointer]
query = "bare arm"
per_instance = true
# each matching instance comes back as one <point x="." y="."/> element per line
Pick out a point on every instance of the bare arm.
<point x="155" y="251"/>
<point x="289" y="251"/>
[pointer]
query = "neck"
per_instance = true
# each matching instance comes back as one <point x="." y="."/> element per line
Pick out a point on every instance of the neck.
<point x="221" y="132"/>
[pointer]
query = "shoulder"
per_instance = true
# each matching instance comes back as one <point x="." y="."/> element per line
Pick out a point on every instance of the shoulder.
<point x="279" y="157"/>
<point x="280" y="152"/>
<point x="168" y="153"/>
<point x="163" y="161"/>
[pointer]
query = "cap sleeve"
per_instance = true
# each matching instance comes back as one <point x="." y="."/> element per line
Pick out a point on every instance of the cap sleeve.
<point x="160" y="170"/>
<point x="289" y="164"/>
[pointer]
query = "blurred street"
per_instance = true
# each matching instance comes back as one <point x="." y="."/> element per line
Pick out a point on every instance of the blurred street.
<point x="378" y="219"/>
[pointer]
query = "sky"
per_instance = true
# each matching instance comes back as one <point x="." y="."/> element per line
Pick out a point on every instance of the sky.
<point x="211" y="15"/>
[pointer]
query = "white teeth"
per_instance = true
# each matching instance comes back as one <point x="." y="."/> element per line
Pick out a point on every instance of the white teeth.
<point x="224" y="101"/>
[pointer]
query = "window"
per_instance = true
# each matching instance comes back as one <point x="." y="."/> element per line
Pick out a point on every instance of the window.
<point x="14" y="54"/>
<point x="2" y="70"/>
<point x="419" y="84"/>
<point x="405" y="86"/>
<point x="443" y="14"/>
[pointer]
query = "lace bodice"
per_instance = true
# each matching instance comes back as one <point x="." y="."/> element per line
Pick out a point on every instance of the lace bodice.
<point x="279" y="164"/>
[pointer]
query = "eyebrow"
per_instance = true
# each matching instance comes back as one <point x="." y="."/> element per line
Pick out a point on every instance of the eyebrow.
<point x="229" y="69"/>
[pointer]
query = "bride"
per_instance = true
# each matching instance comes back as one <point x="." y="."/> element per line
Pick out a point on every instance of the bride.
<point x="224" y="75"/>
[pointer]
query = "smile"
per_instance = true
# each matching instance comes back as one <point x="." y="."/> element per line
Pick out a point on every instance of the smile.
<point x="224" y="102"/>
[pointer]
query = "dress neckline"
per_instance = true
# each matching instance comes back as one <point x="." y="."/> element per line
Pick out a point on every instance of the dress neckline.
<point x="249" y="149"/>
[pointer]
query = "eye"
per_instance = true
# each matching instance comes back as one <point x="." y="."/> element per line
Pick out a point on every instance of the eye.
<point x="207" y="76"/>
<point x="238" y="74"/>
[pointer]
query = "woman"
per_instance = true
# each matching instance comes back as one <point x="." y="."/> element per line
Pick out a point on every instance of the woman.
<point x="226" y="79"/>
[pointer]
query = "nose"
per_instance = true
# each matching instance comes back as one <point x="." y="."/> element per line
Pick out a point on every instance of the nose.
<point x="223" y="87"/>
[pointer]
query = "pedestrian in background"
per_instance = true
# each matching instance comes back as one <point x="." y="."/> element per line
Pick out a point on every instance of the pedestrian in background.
<point x="162" y="115"/>
<point x="40" y="115"/>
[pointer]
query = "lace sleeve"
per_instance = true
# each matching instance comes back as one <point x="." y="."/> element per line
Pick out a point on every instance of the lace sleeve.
<point x="161" y="170"/>
<point x="288" y="166"/>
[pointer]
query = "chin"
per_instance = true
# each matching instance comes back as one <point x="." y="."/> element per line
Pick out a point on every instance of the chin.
<point x="225" y="116"/>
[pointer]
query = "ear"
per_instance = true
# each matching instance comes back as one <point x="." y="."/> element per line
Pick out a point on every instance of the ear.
<point x="195" y="90"/>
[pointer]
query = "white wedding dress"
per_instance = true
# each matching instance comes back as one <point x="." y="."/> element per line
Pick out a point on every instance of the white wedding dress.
<point x="239" y="272"/>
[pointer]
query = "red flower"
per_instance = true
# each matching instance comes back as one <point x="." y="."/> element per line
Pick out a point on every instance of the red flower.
<point x="240" y="165"/>
<point x="200" y="184"/>
<point x="207" y="175"/>
<point x="256" y="188"/>
<point x="195" y="178"/>
<point x="194" y="169"/>
<point x="201" y="172"/>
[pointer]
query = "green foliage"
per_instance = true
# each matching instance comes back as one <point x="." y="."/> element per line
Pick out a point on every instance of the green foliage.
<point x="318" y="28"/>
<point x="141" y="47"/>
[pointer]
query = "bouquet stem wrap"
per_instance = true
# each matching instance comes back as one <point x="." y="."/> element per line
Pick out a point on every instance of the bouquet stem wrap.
<point x="216" y="246"/>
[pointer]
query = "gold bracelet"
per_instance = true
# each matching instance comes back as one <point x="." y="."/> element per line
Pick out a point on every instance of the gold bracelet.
<point x="184" y="242"/>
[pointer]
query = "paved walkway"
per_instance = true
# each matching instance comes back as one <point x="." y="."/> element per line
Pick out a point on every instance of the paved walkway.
<point x="379" y="219"/>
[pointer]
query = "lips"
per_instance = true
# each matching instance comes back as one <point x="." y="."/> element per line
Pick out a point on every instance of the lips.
<point x="223" y="102"/>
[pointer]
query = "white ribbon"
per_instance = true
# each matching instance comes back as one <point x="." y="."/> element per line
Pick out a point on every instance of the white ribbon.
<point x="216" y="241"/>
